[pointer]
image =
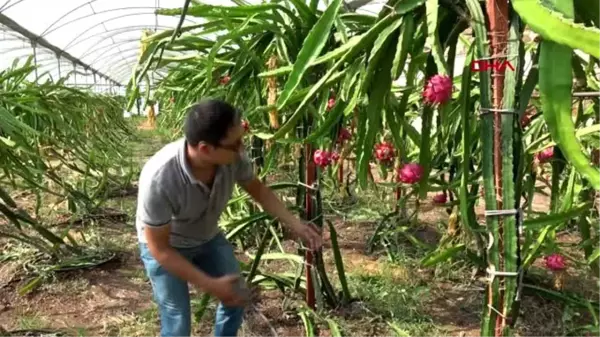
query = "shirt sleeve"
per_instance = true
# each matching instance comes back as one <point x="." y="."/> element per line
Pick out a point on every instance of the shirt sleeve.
<point x="154" y="208"/>
<point x="244" y="170"/>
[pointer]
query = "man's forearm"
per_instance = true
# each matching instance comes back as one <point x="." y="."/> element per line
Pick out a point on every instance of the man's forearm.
<point x="274" y="206"/>
<point x="262" y="194"/>
<point x="175" y="263"/>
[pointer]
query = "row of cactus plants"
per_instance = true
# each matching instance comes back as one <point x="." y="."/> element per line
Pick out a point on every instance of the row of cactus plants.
<point x="62" y="148"/>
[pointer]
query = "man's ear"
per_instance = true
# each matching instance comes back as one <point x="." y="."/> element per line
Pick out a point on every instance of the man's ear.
<point x="203" y="148"/>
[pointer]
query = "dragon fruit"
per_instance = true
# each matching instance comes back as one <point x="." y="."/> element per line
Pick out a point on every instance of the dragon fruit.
<point x="528" y="116"/>
<point x="545" y="155"/>
<point x="245" y="125"/>
<point x="440" y="198"/>
<point x="322" y="158"/>
<point x="343" y="135"/>
<point x="555" y="262"/>
<point x="330" y="103"/>
<point x="225" y="79"/>
<point x="525" y="120"/>
<point x="335" y="156"/>
<point x="384" y="152"/>
<point x="410" y="173"/>
<point x="438" y="90"/>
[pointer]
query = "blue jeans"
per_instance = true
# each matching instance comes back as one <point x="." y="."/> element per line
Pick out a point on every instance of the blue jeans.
<point x="171" y="293"/>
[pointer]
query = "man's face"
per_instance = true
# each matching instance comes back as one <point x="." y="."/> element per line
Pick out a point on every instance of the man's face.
<point x="228" y="150"/>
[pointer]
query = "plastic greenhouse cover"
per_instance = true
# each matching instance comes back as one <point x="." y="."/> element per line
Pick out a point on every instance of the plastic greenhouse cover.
<point x="104" y="34"/>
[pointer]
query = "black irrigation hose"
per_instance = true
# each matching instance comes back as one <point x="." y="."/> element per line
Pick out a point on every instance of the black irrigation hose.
<point x="35" y="332"/>
<point x="104" y="260"/>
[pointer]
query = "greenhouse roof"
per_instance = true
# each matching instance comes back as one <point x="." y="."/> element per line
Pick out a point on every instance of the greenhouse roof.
<point x="97" y="39"/>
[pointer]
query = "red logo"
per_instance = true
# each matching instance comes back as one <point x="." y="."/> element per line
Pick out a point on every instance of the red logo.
<point x="485" y="65"/>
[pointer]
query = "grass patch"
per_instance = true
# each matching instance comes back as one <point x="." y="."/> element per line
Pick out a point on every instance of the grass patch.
<point x="400" y="302"/>
<point x="73" y="285"/>
<point x="31" y="322"/>
<point x="142" y="323"/>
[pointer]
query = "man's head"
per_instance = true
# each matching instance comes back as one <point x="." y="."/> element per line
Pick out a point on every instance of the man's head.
<point x="213" y="132"/>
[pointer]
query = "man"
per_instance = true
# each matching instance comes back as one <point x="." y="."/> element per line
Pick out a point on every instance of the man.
<point x="183" y="190"/>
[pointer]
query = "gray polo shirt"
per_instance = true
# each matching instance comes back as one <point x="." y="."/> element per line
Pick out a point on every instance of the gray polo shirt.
<point x="169" y="193"/>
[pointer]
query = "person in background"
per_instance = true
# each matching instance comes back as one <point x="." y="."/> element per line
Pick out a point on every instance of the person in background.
<point x="183" y="189"/>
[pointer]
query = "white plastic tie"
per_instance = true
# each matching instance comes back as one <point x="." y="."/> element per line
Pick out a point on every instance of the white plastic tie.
<point x="314" y="187"/>
<point x="500" y="212"/>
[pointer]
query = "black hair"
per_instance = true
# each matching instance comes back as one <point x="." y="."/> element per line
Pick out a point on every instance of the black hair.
<point x="209" y="121"/>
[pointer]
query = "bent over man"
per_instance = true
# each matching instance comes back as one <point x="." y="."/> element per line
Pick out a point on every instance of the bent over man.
<point x="183" y="189"/>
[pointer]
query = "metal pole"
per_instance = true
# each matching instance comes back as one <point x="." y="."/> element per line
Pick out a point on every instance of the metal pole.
<point x="587" y="94"/>
<point x="33" y="45"/>
<point x="13" y="25"/>
<point x="74" y="74"/>
<point x="576" y="94"/>
<point x="58" y="59"/>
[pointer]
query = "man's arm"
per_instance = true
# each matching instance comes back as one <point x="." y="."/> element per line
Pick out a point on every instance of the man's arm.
<point x="224" y="288"/>
<point x="244" y="175"/>
<point x="157" y="238"/>
<point x="276" y="208"/>
<point x="270" y="202"/>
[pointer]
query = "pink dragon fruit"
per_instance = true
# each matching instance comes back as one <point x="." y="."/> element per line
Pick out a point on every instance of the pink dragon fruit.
<point x="322" y="158"/>
<point x="245" y="125"/>
<point x="343" y="135"/>
<point x="528" y="116"/>
<point x="335" y="156"/>
<point x="440" y="198"/>
<point x="384" y="152"/>
<point x="438" y="90"/>
<point x="225" y="79"/>
<point x="525" y="120"/>
<point x="555" y="262"/>
<point x="545" y="155"/>
<point x="330" y="103"/>
<point x="410" y="173"/>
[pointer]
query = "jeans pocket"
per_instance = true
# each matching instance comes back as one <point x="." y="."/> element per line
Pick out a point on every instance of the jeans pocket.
<point x="150" y="264"/>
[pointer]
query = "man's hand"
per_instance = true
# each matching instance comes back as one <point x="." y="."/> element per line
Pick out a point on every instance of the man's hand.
<point x="309" y="233"/>
<point x="229" y="290"/>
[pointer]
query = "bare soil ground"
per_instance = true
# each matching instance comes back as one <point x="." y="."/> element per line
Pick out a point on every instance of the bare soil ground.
<point x="115" y="298"/>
